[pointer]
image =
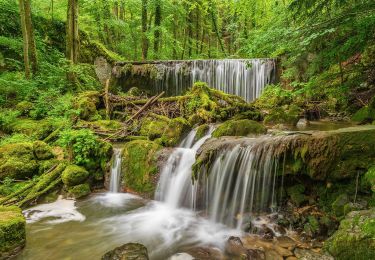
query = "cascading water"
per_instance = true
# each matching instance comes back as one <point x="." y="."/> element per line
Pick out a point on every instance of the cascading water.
<point x="115" y="177"/>
<point x="243" y="77"/>
<point x="175" y="184"/>
<point x="239" y="182"/>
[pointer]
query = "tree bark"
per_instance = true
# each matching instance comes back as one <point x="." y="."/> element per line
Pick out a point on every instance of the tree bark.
<point x="144" y="30"/>
<point x="31" y="38"/>
<point x="157" y="29"/>
<point x="25" y="39"/>
<point x="72" y="36"/>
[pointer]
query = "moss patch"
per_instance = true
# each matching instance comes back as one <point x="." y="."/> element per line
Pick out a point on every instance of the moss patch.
<point x="74" y="175"/>
<point x="12" y="230"/>
<point x="288" y="115"/>
<point x="79" y="191"/>
<point x="355" y="237"/>
<point x="17" y="161"/>
<point x="242" y="127"/>
<point x="38" y="129"/>
<point x="139" y="165"/>
<point x="165" y="131"/>
<point x="42" y="150"/>
<point x="86" y="103"/>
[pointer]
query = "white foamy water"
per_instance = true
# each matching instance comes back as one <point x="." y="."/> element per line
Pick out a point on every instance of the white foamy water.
<point x="115" y="177"/>
<point x="175" y="186"/>
<point x="62" y="210"/>
<point x="246" y="78"/>
<point x="163" y="229"/>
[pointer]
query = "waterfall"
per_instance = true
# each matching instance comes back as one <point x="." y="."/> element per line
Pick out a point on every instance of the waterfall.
<point x="240" y="181"/>
<point x="175" y="184"/>
<point x="242" y="77"/>
<point x="115" y="177"/>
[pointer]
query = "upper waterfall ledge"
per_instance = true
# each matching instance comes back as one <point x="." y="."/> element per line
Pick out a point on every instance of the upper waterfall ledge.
<point x="323" y="155"/>
<point x="246" y="78"/>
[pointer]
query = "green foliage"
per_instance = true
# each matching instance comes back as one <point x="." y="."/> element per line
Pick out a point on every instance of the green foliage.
<point x="7" y="116"/>
<point x="82" y="145"/>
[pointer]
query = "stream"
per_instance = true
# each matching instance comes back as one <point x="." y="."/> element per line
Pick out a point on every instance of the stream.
<point x="173" y="223"/>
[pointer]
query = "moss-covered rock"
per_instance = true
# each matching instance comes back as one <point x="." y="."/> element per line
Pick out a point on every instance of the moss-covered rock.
<point x="364" y="115"/>
<point x="339" y="204"/>
<point x="38" y="129"/>
<point x="24" y="107"/>
<point x="79" y="191"/>
<point x="370" y="178"/>
<point x="74" y="175"/>
<point x="165" y="131"/>
<point x="242" y="127"/>
<point x="355" y="238"/>
<point x="296" y="194"/>
<point x="86" y="103"/>
<point x="12" y="231"/>
<point x="322" y="155"/>
<point x="201" y="131"/>
<point x="139" y="166"/>
<point x="130" y="251"/>
<point x="42" y="150"/>
<point x="17" y="161"/>
<point x="288" y="115"/>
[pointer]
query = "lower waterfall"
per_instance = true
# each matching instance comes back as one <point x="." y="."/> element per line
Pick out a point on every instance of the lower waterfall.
<point x="175" y="184"/>
<point x="240" y="181"/>
<point x="115" y="177"/>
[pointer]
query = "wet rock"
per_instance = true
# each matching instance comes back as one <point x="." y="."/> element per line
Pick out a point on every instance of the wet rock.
<point x="234" y="246"/>
<point x="205" y="253"/>
<point x="304" y="254"/>
<point x="285" y="242"/>
<point x="130" y="251"/>
<point x="272" y="255"/>
<point x="302" y="123"/>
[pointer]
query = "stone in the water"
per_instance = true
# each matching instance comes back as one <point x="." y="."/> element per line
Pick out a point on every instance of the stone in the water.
<point x="130" y="251"/>
<point x="310" y="255"/>
<point x="303" y="122"/>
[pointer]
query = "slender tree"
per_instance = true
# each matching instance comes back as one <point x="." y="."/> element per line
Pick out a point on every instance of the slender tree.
<point x="144" y="30"/>
<point x="72" y="35"/>
<point x="25" y="39"/>
<point x="31" y="37"/>
<point x="157" y="24"/>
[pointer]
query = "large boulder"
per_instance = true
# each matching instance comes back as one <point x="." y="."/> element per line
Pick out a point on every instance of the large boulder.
<point x="140" y="166"/>
<point x="242" y="127"/>
<point x="355" y="238"/>
<point x="165" y="131"/>
<point x="79" y="191"/>
<point x="86" y="103"/>
<point x="74" y="175"/>
<point x="12" y="231"/>
<point x="17" y="161"/>
<point x="130" y="251"/>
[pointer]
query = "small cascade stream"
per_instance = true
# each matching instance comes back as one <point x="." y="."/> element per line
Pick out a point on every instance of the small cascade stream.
<point x="175" y="184"/>
<point x="115" y="177"/>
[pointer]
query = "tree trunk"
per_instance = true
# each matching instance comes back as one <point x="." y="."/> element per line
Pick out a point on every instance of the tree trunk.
<point x="72" y="36"/>
<point x="31" y="38"/>
<point x="25" y="39"/>
<point x="157" y="29"/>
<point x="144" y="30"/>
